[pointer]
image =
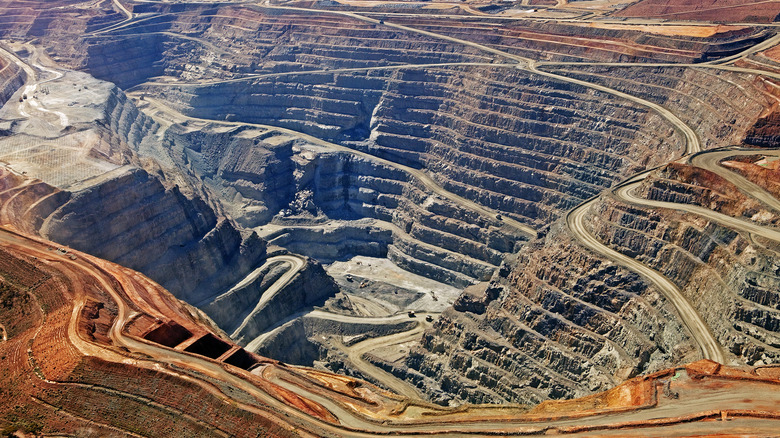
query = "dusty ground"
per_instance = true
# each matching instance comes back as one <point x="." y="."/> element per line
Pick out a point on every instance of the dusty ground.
<point x="392" y="287"/>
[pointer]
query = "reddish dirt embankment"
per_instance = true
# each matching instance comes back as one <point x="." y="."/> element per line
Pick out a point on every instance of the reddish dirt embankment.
<point x="707" y="10"/>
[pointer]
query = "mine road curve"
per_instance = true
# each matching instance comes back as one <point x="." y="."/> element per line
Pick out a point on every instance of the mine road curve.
<point x="352" y="424"/>
<point x="33" y="247"/>
<point x="124" y="10"/>
<point x="32" y="84"/>
<point x="701" y="333"/>
<point x="295" y="263"/>
<point x="710" y="348"/>
<point x="321" y="314"/>
<point x="625" y="193"/>
<point x="692" y="142"/>
<point x="767" y="43"/>
<point x="357" y="351"/>
<point x="709" y="160"/>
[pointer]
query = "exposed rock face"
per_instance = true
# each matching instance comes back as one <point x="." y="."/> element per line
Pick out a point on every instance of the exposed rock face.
<point x="766" y="132"/>
<point x="253" y="176"/>
<point x="292" y="345"/>
<point x="126" y="61"/>
<point x="548" y="40"/>
<point x="11" y="78"/>
<point x="133" y="220"/>
<point x="534" y="153"/>
<point x="560" y="323"/>
<point x="111" y="207"/>
<point x="237" y="313"/>
<point x="685" y="184"/>
<point x="27" y="202"/>
<point x="722" y="105"/>
<point x="560" y="303"/>
<point x="728" y="11"/>
<point x="310" y="341"/>
<point x="241" y="40"/>
<point x="263" y="176"/>
<point x="727" y="274"/>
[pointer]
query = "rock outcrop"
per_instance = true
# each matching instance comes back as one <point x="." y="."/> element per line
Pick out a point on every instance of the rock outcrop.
<point x="242" y="90"/>
<point x="535" y="151"/>
<point x="332" y="205"/>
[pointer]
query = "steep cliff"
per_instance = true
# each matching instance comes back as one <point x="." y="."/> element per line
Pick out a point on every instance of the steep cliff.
<point x="133" y="220"/>
<point x="11" y="78"/>
<point x="95" y="195"/>
<point x="533" y="152"/>
<point x="331" y="205"/>
<point x="582" y="322"/>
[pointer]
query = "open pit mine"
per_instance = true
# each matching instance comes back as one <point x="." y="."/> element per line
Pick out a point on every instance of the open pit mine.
<point x="353" y="218"/>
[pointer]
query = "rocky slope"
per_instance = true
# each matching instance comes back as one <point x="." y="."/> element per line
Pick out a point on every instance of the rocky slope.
<point x="580" y="321"/>
<point x="133" y="220"/>
<point x="11" y="78"/>
<point x="318" y="130"/>
<point x="265" y="176"/>
<point x="559" y="41"/>
<point x="722" y="105"/>
<point x="541" y="148"/>
<point x="77" y="363"/>
<point x="99" y="193"/>
<point x="237" y="311"/>
<point x="728" y="11"/>
<point x="560" y="323"/>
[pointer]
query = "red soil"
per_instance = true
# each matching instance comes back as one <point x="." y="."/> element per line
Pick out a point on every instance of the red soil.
<point x="766" y="177"/>
<point x="67" y="368"/>
<point x="705" y="10"/>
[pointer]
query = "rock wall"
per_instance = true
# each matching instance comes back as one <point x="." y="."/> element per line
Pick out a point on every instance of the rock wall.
<point x="12" y="77"/>
<point x="322" y="203"/>
<point x="558" y="41"/>
<point x="538" y="149"/>
<point x="180" y="243"/>
<point x="727" y="274"/>
<point x="117" y="210"/>
<point x="560" y="323"/>
<point x="563" y="321"/>
<point x="237" y="314"/>
<point x="723" y="106"/>
<point x="126" y="61"/>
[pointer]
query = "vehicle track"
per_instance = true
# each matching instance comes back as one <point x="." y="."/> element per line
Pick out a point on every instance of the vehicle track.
<point x="575" y="218"/>
<point x="418" y="174"/>
<point x="294" y="262"/>
<point x="709" y="160"/>
<point x="709" y="347"/>
<point x="701" y="333"/>
<point x="357" y="352"/>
